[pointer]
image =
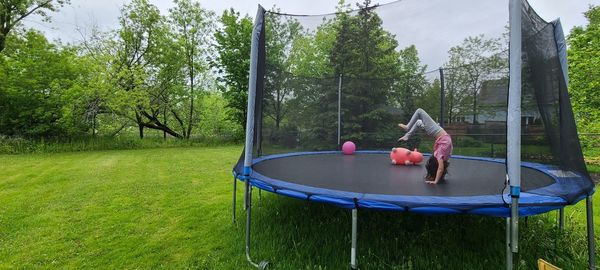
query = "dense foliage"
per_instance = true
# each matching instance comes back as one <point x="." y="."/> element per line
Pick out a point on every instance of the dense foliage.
<point x="584" y="75"/>
<point x="152" y="73"/>
<point x="233" y="62"/>
<point x="43" y="89"/>
<point x="185" y="73"/>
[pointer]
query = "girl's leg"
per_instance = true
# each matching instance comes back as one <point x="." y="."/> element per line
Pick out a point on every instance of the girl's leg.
<point x="420" y="114"/>
<point x="419" y="119"/>
<point x="411" y="131"/>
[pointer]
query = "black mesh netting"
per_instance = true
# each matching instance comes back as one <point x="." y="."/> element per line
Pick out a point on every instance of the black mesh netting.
<point x="355" y="74"/>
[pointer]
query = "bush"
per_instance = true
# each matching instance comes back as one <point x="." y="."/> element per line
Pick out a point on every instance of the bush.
<point x="23" y="146"/>
<point x="467" y="142"/>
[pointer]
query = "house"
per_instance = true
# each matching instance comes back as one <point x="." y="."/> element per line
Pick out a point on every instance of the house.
<point x="492" y="102"/>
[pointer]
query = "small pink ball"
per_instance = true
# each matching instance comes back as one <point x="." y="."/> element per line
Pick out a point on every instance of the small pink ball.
<point x="348" y="148"/>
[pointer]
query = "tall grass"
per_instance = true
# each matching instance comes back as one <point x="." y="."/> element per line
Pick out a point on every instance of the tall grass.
<point x="60" y="145"/>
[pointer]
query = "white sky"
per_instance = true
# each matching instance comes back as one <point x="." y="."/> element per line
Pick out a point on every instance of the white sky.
<point x="83" y="14"/>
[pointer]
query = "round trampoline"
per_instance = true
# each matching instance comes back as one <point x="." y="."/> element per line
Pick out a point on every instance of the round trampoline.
<point x="314" y="82"/>
<point x="367" y="179"/>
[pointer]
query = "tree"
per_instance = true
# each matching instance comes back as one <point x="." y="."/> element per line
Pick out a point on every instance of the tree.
<point x="143" y="46"/>
<point x="473" y="62"/>
<point x="365" y="53"/>
<point x="280" y="34"/>
<point x="42" y="84"/>
<point x="232" y="62"/>
<point x="410" y="83"/>
<point x="377" y="77"/>
<point x="192" y="26"/>
<point x="584" y="74"/>
<point x="12" y="12"/>
<point x="100" y="49"/>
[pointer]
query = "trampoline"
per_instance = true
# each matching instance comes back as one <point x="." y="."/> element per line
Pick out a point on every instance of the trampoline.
<point x="368" y="180"/>
<point x="316" y="81"/>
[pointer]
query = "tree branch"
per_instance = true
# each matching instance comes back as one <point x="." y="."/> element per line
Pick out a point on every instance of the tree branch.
<point x="29" y="13"/>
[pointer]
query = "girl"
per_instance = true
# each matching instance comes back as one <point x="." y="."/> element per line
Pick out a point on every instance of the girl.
<point x="437" y="165"/>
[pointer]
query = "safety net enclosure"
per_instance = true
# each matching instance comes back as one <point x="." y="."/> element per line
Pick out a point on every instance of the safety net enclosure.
<point x="317" y="81"/>
<point x="355" y="74"/>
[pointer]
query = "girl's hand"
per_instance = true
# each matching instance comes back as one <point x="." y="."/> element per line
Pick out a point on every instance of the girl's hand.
<point x="429" y="180"/>
<point x="403" y="126"/>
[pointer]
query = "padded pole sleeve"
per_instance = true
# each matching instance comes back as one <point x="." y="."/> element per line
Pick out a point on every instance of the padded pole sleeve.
<point x="513" y="162"/>
<point x="258" y="26"/>
<point x="513" y="121"/>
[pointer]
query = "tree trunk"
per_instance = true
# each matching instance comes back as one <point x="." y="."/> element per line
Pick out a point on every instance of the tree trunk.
<point x="141" y="128"/>
<point x="154" y="123"/>
<point x="165" y="121"/>
<point x="475" y="107"/>
<point x="449" y="109"/>
<point x="140" y="124"/>
<point x="3" y="35"/>
<point x="191" y="118"/>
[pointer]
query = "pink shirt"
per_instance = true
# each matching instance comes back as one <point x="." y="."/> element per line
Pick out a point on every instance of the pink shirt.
<point x="442" y="148"/>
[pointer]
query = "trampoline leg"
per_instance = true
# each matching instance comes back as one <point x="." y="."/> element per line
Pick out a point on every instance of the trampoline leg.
<point x="234" y="197"/>
<point x="514" y="222"/>
<point x="262" y="264"/>
<point x="509" y="258"/>
<point x="561" y="219"/>
<point x="259" y="197"/>
<point x="353" y="263"/>
<point x="247" y="184"/>
<point x="590" y="233"/>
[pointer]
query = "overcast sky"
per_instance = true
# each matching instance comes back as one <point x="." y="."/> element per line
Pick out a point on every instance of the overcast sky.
<point x="434" y="33"/>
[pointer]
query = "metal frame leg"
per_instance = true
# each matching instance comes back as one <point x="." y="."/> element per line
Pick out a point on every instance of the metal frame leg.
<point x="561" y="219"/>
<point x="509" y="257"/>
<point x="234" y="197"/>
<point x="246" y="184"/>
<point x="512" y="233"/>
<point x="262" y="264"/>
<point x="590" y="232"/>
<point x="353" y="263"/>
<point x="514" y="225"/>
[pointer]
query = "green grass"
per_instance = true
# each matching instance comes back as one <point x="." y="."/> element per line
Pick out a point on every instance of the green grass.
<point x="593" y="168"/>
<point x="170" y="208"/>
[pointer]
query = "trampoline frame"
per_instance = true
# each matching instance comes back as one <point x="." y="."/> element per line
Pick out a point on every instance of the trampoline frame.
<point x="533" y="202"/>
<point x="513" y="163"/>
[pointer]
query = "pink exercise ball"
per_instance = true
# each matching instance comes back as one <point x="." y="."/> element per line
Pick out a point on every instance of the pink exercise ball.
<point x="348" y="148"/>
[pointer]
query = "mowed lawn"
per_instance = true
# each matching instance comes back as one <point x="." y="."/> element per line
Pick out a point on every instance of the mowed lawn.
<point x="171" y="209"/>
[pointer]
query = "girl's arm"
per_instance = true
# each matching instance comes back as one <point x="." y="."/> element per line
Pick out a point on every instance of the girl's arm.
<point x="440" y="172"/>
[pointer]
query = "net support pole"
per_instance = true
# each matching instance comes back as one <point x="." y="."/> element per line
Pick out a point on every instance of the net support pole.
<point x="590" y="232"/>
<point x="442" y="97"/>
<point x="339" y="131"/>
<point x="513" y="156"/>
<point x="509" y="264"/>
<point x="252" y="79"/>
<point x="353" y="263"/>
<point x="252" y="82"/>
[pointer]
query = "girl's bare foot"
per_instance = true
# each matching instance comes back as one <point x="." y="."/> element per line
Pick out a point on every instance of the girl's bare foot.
<point x="403" y="126"/>
<point x="403" y="138"/>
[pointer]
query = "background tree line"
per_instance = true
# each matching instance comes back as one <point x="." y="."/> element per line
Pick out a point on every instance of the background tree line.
<point x="185" y="73"/>
<point x="177" y="74"/>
